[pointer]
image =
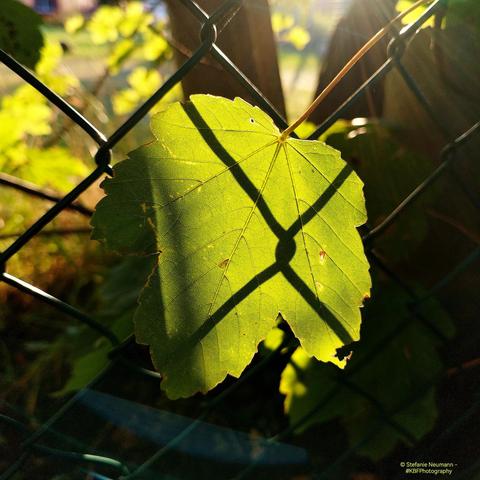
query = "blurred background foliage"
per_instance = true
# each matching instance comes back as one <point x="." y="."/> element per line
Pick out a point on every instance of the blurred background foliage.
<point x="106" y="63"/>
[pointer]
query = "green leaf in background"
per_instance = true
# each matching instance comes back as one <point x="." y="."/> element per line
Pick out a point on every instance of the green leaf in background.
<point x="24" y="112"/>
<point x="274" y="339"/>
<point x="122" y="51"/>
<point x="285" y="30"/>
<point x="143" y="83"/>
<point x="49" y="69"/>
<point x="20" y="33"/>
<point x="402" y="5"/>
<point x="103" y="26"/>
<point x="396" y="367"/>
<point x="298" y="37"/>
<point x="118" y="301"/>
<point x="390" y="173"/>
<point x="74" y="23"/>
<point x="90" y="354"/>
<point x="154" y="46"/>
<point x="458" y="12"/>
<point x="282" y="21"/>
<point x="463" y="12"/>
<point x="26" y="116"/>
<point x="54" y="167"/>
<point x="245" y="226"/>
<point x="135" y="19"/>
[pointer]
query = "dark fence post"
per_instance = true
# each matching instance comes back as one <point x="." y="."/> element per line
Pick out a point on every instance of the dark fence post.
<point x="247" y="40"/>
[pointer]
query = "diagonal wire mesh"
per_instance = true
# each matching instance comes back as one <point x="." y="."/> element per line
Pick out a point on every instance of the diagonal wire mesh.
<point x="32" y="440"/>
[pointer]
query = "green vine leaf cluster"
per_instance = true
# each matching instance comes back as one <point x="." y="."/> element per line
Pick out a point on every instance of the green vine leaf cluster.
<point x="117" y="302"/>
<point x="26" y="119"/>
<point x="136" y="41"/>
<point x="245" y="225"/>
<point x="286" y="30"/>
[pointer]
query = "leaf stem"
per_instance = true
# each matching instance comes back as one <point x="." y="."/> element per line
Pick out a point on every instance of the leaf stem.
<point x="348" y="66"/>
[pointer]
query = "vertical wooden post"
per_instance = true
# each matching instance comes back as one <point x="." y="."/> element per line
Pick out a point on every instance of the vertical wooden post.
<point x="247" y="39"/>
<point x="362" y="20"/>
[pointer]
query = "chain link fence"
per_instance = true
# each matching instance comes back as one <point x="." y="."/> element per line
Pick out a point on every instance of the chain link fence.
<point x="88" y="464"/>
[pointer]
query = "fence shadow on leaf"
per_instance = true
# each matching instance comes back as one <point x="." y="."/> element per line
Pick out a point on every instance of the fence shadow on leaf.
<point x="245" y="226"/>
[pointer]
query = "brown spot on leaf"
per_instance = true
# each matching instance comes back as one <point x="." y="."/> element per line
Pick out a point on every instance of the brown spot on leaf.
<point x="224" y="263"/>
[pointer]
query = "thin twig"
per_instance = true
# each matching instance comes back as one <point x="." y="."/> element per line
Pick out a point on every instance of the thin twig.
<point x="50" y="233"/>
<point x="464" y="366"/>
<point x="181" y="48"/>
<point x="473" y="236"/>
<point x="36" y="191"/>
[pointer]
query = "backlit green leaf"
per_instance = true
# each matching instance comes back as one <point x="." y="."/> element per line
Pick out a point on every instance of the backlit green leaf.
<point x="49" y="69"/>
<point x="245" y="225"/>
